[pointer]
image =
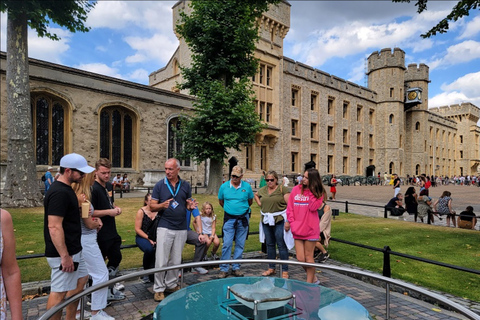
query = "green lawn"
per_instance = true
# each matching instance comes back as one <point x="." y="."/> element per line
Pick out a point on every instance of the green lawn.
<point x="448" y="245"/>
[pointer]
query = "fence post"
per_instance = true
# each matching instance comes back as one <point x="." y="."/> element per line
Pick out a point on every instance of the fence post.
<point x="121" y="192"/>
<point x="346" y="206"/>
<point x="387" y="271"/>
<point x="195" y="189"/>
<point x="385" y="212"/>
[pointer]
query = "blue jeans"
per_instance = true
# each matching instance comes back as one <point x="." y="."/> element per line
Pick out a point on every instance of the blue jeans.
<point x="148" y="252"/>
<point x="233" y="230"/>
<point x="274" y="235"/>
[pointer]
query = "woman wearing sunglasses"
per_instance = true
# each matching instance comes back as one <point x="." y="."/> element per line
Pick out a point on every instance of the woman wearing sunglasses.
<point x="303" y="203"/>
<point x="272" y="200"/>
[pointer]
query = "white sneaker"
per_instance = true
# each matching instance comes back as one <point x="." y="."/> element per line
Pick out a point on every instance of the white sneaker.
<point x="119" y="286"/>
<point x="86" y="315"/>
<point x="199" y="270"/>
<point x="115" y="295"/>
<point x="101" y="315"/>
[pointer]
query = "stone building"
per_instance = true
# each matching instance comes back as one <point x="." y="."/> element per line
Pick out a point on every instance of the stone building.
<point x="341" y="126"/>
<point x="345" y="128"/>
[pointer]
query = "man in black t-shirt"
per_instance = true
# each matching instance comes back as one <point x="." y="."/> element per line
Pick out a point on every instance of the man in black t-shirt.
<point x="62" y="234"/>
<point x="109" y="241"/>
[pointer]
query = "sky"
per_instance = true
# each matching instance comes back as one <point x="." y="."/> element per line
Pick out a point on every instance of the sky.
<point x="131" y="39"/>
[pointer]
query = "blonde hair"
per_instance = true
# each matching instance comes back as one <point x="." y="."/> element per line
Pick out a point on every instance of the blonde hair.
<point x="85" y="186"/>
<point x="203" y="213"/>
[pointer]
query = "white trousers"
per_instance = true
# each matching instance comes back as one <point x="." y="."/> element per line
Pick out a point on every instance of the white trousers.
<point x="170" y="245"/>
<point x="96" y="269"/>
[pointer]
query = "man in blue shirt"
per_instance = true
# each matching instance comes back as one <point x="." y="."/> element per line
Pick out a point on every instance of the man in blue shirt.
<point x="171" y="197"/>
<point x="236" y="197"/>
<point x="196" y="238"/>
<point x="48" y="179"/>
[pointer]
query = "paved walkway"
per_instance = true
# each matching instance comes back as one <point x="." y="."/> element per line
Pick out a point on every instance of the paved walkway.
<point x="139" y="301"/>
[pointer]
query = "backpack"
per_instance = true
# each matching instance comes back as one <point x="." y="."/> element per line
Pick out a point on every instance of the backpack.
<point x="44" y="178"/>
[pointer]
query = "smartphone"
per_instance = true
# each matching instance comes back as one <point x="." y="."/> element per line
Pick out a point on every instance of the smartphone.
<point x="75" y="266"/>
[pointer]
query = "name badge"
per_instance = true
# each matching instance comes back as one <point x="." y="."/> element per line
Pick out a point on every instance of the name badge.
<point x="174" y="204"/>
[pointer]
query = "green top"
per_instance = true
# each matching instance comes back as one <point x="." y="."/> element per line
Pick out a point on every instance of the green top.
<point x="273" y="202"/>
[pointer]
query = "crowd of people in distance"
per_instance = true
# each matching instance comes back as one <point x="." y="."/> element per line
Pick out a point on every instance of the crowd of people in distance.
<point x="422" y="206"/>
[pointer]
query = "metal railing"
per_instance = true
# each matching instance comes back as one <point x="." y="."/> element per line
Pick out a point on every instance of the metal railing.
<point x="388" y="281"/>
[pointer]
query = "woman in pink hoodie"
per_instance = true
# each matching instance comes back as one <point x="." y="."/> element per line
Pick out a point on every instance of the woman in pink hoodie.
<point x="303" y="203"/>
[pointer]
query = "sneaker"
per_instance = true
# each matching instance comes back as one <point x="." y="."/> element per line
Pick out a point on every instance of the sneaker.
<point x="101" y="315"/>
<point x="316" y="254"/>
<point x="158" y="296"/>
<point x="112" y="272"/>
<point x="323" y="257"/>
<point x="223" y="274"/>
<point x="86" y="315"/>
<point x="145" y="279"/>
<point x="215" y="257"/>
<point x="237" y="273"/>
<point x="199" y="270"/>
<point x="171" y="290"/>
<point x="114" y="295"/>
<point x="119" y="286"/>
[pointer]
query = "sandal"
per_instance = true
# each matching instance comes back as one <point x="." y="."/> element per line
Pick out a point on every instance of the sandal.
<point x="269" y="272"/>
<point x="285" y="274"/>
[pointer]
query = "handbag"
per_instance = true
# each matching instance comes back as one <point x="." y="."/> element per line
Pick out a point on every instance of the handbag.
<point x="152" y="228"/>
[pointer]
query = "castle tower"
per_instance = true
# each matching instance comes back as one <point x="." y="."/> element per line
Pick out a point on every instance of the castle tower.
<point x="386" y="76"/>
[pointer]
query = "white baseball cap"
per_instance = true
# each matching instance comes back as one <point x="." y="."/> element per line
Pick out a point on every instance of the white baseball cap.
<point x="75" y="161"/>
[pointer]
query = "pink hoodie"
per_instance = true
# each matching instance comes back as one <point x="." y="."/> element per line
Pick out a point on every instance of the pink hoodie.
<point x="302" y="214"/>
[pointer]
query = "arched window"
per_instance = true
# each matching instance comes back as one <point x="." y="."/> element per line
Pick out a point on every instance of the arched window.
<point x="175" y="145"/>
<point x="49" y="128"/>
<point x="116" y="136"/>
<point x="390" y="119"/>
<point x="391" y="168"/>
<point x="417" y="126"/>
<point x="417" y="169"/>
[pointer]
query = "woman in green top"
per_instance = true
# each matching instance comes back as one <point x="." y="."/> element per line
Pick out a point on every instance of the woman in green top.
<point x="272" y="200"/>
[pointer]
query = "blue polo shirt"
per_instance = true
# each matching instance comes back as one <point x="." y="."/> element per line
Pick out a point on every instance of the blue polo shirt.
<point x="195" y="212"/>
<point x="235" y="200"/>
<point x="173" y="217"/>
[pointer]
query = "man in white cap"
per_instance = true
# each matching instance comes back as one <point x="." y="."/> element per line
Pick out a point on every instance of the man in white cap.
<point x="48" y="179"/>
<point x="236" y="197"/>
<point x="62" y="232"/>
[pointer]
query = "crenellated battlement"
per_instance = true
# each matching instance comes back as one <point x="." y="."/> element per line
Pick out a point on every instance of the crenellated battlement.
<point x="385" y="58"/>
<point x="416" y="72"/>
<point x="466" y="109"/>
<point x="323" y="78"/>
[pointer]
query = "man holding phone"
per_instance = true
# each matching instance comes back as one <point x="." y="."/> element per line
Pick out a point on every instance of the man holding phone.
<point x="62" y="232"/>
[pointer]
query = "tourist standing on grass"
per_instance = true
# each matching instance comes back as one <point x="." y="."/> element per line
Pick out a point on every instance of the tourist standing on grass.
<point x="10" y="280"/>
<point x="108" y="238"/>
<point x="62" y="233"/>
<point x="443" y="206"/>
<point x="91" y="252"/>
<point x="48" y="179"/>
<point x="171" y="197"/>
<point x="272" y="200"/>
<point x="325" y="216"/>
<point x="144" y="220"/>
<point x="235" y="196"/>
<point x="303" y="203"/>
<point x="411" y="202"/>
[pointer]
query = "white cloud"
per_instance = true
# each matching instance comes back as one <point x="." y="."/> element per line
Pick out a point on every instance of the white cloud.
<point x="100" y="68"/>
<point x="357" y="75"/>
<point x="472" y="28"/>
<point x="140" y="75"/>
<point x="459" y="53"/>
<point x="463" y="89"/>
<point x="158" y="47"/>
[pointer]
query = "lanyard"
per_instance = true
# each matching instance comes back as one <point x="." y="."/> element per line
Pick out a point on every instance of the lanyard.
<point x="169" y="188"/>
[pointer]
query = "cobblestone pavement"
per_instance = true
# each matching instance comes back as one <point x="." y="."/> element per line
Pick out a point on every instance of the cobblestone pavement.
<point x="139" y="301"/>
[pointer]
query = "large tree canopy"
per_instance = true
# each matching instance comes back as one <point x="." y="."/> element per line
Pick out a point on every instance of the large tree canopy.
<point x="222" y="36"/>
<point x="21" y="188"/>
<point x="460" y="10"/>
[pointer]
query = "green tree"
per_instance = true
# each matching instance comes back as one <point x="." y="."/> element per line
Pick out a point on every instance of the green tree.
<point x="222" y="36"/>
<point x="21" y="188"/>
<point x="460" y="10"/>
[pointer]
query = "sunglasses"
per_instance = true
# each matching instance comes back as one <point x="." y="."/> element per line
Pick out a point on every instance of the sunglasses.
<point x="80" y="172"/>
<point x="234" y="176"/>
<point x="269" y="180"/>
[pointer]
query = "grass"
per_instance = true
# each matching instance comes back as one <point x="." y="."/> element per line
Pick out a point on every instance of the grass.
<point x="447" y="245"/>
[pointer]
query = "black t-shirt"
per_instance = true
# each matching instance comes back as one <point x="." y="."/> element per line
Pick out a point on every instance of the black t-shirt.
<point x="467" y="215"/>
<point x="61" y="200"/>
<point x="392" y="203"/>
<point x="396" y="183"/>
<point x="102" y="199"/>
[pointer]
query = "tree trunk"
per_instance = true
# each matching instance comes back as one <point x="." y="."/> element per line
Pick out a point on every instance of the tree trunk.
<point x="21" y="187"/>
<point x="215" y="177"/>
